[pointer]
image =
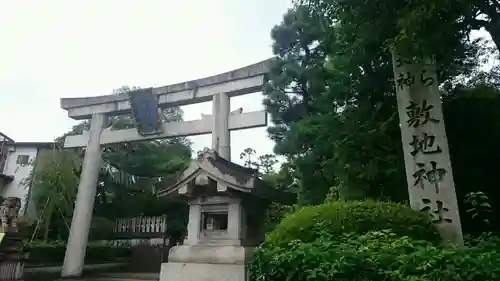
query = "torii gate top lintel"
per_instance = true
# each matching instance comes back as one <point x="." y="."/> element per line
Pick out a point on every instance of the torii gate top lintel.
<point x="245" y="80"/>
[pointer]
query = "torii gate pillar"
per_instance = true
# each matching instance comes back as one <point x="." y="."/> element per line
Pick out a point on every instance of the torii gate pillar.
<point x="82" y="214"/>
<point x="221" y="136"/>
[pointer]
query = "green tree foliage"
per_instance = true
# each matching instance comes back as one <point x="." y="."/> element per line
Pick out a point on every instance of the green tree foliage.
<point x="264" y="163"/>
<point x="331" y="105"/>
<point x="281" y="180"/>
<point x="331" y="96"/>
<point x="332" y="100"/>
<point x="148" y="159"/>
<point x="247" y="156"/>
<point x="144" y="164"/>
<point x="416" y="28"/>
<point x="155" y="158"/>
<point x="478" y="207"/>
<point x="127" y="179"/>
<point x="54" y="182"/>
<point x="145" y="159"/>
<point x="472" y="116"/>
<point x="267" y="162"/>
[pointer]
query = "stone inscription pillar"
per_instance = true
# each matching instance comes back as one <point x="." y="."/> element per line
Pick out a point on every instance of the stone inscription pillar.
<point x="82" y="215"/>
<point x="427" y="159"/>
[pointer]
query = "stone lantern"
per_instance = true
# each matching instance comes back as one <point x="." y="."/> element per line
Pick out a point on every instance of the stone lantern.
<point x="227" y="204"/>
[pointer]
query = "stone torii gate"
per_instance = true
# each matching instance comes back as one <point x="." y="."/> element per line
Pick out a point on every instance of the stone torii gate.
<point x="218" y="89"/>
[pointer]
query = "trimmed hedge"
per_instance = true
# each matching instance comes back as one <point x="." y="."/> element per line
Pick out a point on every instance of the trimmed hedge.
<point x="368" y="241"/>
<point x="374" y="256"/>
<point x="53" y="253"/>
<point x="339" y="217"/>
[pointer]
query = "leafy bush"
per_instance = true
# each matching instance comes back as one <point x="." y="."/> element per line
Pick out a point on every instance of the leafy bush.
<point x="53" y="252"/>
<point x="101" y="229"/>
<point x="374" y="256"/>
<point x="274" y="213"/>
<point x="26" y="227"/>
<point x="339" y="217"/>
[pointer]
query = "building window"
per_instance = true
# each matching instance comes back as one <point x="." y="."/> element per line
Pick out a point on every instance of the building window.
<point x="23" y="159"/>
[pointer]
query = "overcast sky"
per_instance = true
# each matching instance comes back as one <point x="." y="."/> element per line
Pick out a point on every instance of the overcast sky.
<point x="53" y="49"/>
<point x="57" y="48"/>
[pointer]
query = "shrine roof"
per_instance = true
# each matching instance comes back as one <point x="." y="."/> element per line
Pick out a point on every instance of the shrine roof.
<point x="4" y="138"/>
<point x="234" y="176"/>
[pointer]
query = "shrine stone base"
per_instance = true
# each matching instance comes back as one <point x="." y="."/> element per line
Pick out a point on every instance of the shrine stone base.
<point x="206" y="263"/>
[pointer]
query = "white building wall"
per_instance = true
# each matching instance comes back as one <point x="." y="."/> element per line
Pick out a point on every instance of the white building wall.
<point x="19" y="187"/>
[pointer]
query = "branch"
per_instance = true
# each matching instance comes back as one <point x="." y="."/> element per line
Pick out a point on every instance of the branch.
<point x="478" y="23"/>
<point x="488" y="8"/>
<point x="495" y="3"/>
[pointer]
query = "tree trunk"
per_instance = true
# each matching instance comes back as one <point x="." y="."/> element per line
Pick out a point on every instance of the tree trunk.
<point x="47" y="219"/>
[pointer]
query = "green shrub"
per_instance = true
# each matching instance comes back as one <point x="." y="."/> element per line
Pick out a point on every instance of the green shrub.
<point x="101" y="229"/>
<point x="341" y="217"/>
<point x="26" y="227"/>
<point x="54" y="251"/>
<point x="374" y="256"/>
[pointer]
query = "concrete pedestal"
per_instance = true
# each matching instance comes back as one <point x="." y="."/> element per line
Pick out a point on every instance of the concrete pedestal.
<point x="206" y="263"/>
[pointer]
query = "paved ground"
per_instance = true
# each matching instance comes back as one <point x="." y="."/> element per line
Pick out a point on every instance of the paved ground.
<point x="125" y="276"/>
<point x="93" y="272"/>
<point x="58" y="268"/>
<point x="110" y="276"/>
